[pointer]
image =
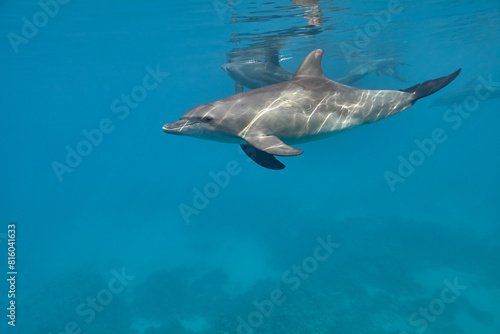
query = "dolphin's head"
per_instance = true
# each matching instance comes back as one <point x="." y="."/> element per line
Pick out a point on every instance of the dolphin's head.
<point x="196" y="122"/>
<point x="201" y="122"/>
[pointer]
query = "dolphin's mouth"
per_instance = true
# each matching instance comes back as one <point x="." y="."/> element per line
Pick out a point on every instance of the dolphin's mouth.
<point x="177" y="127"/>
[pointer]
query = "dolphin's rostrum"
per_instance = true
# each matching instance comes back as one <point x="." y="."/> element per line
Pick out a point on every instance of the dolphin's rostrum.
<point x="267" y="120"/>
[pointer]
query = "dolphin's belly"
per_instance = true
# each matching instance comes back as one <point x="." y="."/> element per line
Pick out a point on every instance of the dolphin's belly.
<point x="313" y="121"/>
<point x="316" y="128"/>
<point x="299" y="114"/>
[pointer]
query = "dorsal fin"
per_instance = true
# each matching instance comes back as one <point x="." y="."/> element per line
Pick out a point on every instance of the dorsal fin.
<point x="311" y="66"/>
<point x="273" y="58"/>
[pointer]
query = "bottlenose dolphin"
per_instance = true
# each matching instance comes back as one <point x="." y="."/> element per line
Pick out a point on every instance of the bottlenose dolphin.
<point x="255" y="74"/>
<point x="267" y="120"/>
<point x="385" y="66"/>
<point x="471" y="88"/>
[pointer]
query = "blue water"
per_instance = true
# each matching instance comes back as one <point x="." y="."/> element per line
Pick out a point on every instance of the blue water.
<point x="370" y="231"/>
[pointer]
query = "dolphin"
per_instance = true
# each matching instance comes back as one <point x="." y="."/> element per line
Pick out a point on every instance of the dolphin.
<point x="267" y="121"/>
<point x="385" y="66"/>
<point x="255" y="74"/>
<point x="470" y="88"/>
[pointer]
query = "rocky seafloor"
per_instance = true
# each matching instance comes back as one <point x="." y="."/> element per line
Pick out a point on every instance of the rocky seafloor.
<point x="425" y="278"/>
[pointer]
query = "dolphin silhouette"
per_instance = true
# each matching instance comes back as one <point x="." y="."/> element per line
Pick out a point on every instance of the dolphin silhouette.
<point x="256" y="74"/>
<point x="385" y="66"/>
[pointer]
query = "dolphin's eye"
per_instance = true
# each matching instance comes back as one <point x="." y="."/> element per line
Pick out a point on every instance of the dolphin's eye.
<point x="206" y="118"/>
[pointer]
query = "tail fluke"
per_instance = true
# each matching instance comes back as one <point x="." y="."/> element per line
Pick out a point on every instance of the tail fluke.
<point x="430" y="87"/>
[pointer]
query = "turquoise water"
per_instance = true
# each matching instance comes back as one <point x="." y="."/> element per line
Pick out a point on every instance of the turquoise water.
<point x="392" y="227"/>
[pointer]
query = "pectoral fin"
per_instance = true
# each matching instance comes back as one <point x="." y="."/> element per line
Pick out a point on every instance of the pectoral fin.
<point x="272" y="145"/>
<point x="262" y="158"/>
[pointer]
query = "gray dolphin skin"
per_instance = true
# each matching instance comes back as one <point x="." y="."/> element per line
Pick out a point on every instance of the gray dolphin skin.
<point x="457" y="96"/>
<point x="386" y="66"/>
<point x="256" y="74"/>
<point x="253" y="73"/>
<point x="267" y="120"/>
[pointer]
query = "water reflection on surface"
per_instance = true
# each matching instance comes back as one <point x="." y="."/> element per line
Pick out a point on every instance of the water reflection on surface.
<point x="366" y="39"/>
